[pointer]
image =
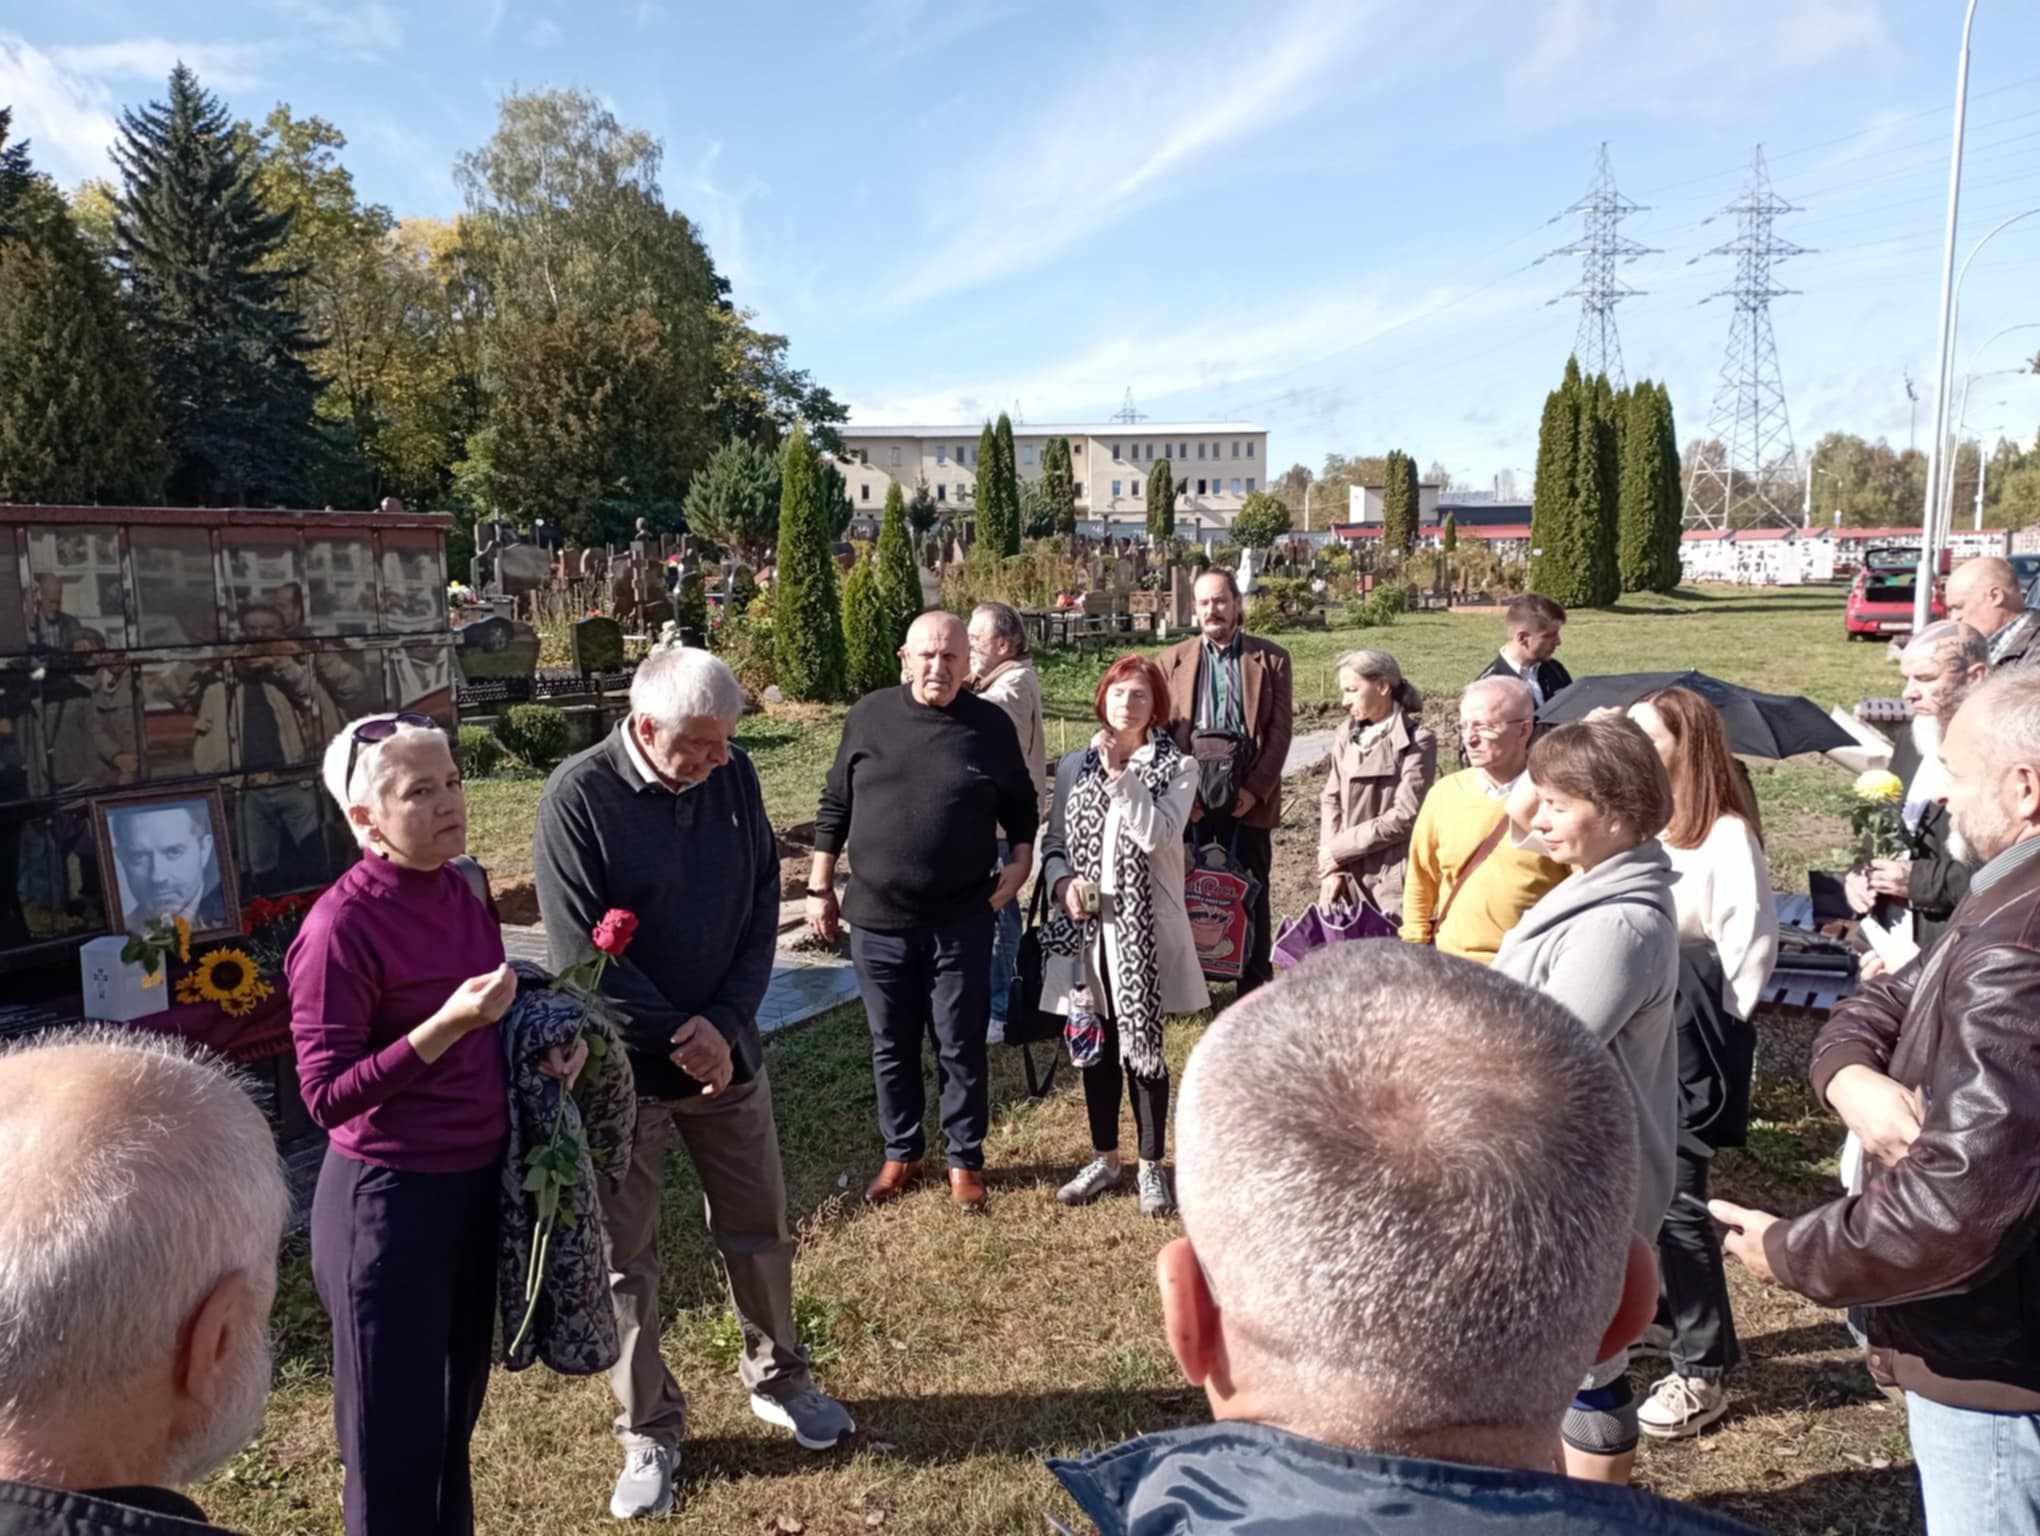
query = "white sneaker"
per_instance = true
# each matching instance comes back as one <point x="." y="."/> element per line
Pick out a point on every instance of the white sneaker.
<point x="646" y="1484"/>
<point x="1656" y="1340"/>
<point x="1681" y="1406"/>
<point x="1092" y="1180"/>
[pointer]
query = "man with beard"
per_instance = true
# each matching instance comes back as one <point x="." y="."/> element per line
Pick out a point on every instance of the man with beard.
<point x="1937" y="1071"/>
<point x="1944" y="662"/>
<point x="138" y="1231"/>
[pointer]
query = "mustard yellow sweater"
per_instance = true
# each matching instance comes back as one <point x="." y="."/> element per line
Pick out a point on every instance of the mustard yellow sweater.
<point x="1458" y="815"/>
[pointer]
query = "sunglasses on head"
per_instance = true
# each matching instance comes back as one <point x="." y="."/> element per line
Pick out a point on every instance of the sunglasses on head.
<point x="369" y="732"/>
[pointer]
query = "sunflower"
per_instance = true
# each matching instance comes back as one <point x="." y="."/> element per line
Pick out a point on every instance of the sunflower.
<point x="227" y="977"/>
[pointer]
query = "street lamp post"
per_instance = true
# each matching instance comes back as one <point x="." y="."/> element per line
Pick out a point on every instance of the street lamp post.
<point x="1923" y="586"/>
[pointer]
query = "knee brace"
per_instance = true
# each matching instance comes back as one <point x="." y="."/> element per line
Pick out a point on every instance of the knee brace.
<point x="1602" y="1422"/>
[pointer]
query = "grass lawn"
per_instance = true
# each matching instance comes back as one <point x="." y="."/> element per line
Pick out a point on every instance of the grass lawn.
<point x="969" y="1349"/>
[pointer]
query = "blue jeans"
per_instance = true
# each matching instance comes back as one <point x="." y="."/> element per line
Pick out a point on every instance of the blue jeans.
<point x="1979" y="1472"/>
<point x="1007" y="925"/>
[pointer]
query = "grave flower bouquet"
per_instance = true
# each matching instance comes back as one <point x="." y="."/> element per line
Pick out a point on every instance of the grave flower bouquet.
<point x="1875" y="816"/>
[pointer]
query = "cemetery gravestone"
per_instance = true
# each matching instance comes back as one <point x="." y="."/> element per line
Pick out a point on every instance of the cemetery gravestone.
<point x="596" y="645"/>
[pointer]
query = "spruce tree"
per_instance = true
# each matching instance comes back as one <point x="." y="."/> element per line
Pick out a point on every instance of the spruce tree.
<point x="1009" y="487"/>
<point x="1161" y="502"/>
<point x="199" y="252"/>
<point x="1399" y="504"/>
<point x="1558" y="568"/>
<point x="15" y="174"/>
<point x="807" y="625"/>
<point x="898" y="582"/>
<point x="1637" y="515"/>
<point x="1670" y="497"/>
<point x="871" y="654"/>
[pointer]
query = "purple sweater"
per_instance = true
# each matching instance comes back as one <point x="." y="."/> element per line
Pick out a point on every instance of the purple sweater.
<point x="377" y="955"/>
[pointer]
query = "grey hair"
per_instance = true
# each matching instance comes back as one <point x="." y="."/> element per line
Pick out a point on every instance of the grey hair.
<point x="681" y="682"/>
<point x="1951" y="640"/>
<point x="1380" y="667"/>
<point x="1992" y="570"/>
<point x="363" y="785"/>
<point x="120" y="1211"/>
<point x="1006" y="625"/>
<point x="2009" y="704"/>
<point x="1517" y="691"/>
<point x="1410" y="1182"/>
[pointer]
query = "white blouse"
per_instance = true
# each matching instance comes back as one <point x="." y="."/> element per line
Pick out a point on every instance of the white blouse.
<point x="1723" y="895"/>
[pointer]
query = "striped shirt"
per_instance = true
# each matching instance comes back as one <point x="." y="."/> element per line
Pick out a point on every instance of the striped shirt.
<point x="1998" y="868"/>
<point x="1221" y="696"/>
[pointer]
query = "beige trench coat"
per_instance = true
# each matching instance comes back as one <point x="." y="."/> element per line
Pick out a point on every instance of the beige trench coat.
<point x="1370" y="803"/>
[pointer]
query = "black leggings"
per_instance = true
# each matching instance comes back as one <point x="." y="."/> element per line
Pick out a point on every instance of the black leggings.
<point x="1103" y="1081"/>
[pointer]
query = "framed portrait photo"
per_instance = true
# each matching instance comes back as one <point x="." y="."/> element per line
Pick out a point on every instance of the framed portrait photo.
<point x="167" y="856"/>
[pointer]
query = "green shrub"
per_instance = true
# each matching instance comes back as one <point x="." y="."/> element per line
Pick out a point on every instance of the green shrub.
<point x="871" y="653"/>
<point x="537" y="733"/>
<point x="1394" y="596"/>
<point x="745" y="645"/>
<point x="480" y="750"/>
<point x="1376" y="611"/>
<point x="1265" y="615"/>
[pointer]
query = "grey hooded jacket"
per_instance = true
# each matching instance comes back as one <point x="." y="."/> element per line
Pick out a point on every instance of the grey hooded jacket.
<point x="1606" y="944"/>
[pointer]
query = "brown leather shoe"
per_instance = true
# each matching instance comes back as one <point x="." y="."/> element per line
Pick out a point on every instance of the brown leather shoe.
<point x="967" y="1188"/>
<point x="892" y="1182"/>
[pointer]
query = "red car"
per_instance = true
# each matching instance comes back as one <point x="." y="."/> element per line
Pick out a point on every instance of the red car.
<point x="1881" y="599"/>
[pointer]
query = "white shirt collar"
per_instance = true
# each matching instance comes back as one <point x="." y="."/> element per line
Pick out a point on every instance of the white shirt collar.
<point x="646" y="773"/>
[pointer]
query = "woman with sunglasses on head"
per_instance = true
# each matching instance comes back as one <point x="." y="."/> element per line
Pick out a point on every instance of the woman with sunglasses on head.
<point x="1728" y="943"/>
<point x="397" y="980"/>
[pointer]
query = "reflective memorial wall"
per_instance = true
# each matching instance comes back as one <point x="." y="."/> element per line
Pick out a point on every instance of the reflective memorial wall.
<point x="198" y="649"/>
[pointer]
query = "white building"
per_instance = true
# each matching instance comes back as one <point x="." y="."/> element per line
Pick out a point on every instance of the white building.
<point x="1217" y="465"/>
<point x="1364" y="503"/>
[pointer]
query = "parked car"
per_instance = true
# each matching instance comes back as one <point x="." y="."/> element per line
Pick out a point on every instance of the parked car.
<point x="1880" y="601"/>
<point x="2027" y="569"/>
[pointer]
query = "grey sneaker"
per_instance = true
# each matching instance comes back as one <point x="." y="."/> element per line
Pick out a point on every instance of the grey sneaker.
<point x="646" y="1484"/>
<point x="1153" y="1184"/>
<point x="1094" y="1179"/>
<point x="818" y="1422"/>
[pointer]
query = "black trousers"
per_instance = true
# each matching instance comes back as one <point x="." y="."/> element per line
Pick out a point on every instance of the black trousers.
<point x="1103" y="1082"/>
<point x="1693" y="1286"/>
<point x="915" y="980"/>
<point x="406" y="1266"/>
<point x="1256" y="848"/>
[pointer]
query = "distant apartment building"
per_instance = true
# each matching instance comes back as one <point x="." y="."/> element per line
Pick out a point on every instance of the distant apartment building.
<point x="1217" y="465"/>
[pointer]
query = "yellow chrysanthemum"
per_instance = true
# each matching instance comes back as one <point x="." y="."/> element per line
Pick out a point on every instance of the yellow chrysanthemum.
<point x="1878" y="784"/>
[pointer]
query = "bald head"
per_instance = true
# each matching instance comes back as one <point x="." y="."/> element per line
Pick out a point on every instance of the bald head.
<point x="936" y="658"/>
<point x="1984" y="593"/>
<point x="139" y="1223"/>
<point x="1992" y="754"/>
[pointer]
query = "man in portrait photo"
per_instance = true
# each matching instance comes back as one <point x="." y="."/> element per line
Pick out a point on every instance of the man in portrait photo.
<point x="169" y="865"/>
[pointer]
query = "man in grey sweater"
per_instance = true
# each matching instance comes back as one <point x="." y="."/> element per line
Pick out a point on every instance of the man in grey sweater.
<point x="665" y="819"/>
<point x="1002" y="673"/>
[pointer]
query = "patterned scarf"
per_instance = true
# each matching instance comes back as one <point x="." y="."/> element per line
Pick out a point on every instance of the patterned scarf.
<point x="2010" y="634"/>
<point x="1134" y="978"/>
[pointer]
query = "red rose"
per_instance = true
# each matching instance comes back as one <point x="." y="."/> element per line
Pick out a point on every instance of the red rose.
<point x="612" y="934"/>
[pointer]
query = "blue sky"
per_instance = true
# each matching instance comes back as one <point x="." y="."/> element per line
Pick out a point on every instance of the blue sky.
<point x="1318" y="214"/>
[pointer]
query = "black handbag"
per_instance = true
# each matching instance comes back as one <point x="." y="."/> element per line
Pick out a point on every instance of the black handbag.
<point x="1026" y="1024"/>
<point x="1222" y="760"/>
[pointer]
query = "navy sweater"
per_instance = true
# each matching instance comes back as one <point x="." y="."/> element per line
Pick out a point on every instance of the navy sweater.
<point x="700" y="870"/>
<point x="919" y="795"/>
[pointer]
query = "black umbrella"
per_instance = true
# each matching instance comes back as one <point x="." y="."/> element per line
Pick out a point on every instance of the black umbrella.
<point x="1759" y="724"/>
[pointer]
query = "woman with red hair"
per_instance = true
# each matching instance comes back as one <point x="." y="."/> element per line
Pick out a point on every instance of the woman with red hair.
<point x="1119" y="954"/>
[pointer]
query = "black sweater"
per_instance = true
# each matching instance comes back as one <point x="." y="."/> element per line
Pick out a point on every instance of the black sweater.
<point x="700" y="870"/>
<point x="919" y="795"/>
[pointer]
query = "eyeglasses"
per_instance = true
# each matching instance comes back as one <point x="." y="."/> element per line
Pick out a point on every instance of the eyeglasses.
<point x="1491" y="728"/>
<point x="369" y="732"/>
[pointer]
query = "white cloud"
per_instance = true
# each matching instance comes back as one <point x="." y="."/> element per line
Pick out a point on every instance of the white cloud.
<point x="894" y="30"/>
<point x="1035" y="195"/>
<point x="647" y="13"/>
<point x="498" y="9"/>
<point x="543" y="33"/>
<point x="1815" y="30"/>
<point x="219" y="66"/>
<point x="719" y="211"/>
<point x="68" y="117"/>
<point x="360" y="29"/>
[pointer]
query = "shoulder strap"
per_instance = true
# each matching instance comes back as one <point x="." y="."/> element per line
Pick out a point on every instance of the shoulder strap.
<point x="477" y="878"/>
<point x="1488" y="845"/>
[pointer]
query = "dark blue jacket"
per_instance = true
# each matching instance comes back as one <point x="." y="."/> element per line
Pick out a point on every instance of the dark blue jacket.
<point x="1235" y="1477"/>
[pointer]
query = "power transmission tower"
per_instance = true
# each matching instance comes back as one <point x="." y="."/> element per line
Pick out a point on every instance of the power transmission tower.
<point x="1757" y="477"/>
<point x="1602" y="247"/>
<point x="1126" y="413"/>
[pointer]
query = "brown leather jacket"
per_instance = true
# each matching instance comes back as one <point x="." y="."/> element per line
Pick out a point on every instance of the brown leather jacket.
<point x="1942" y="1247"/>
<point x="1265" y="682"/>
